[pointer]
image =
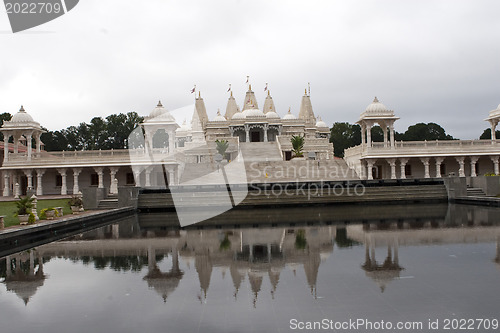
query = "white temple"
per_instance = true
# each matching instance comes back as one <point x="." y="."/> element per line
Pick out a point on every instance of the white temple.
<point x="419" y="159"/>
<point x="177" y="153"/>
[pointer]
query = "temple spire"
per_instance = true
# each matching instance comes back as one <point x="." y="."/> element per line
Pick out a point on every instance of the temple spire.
<point x="269" y="104"/>
<point x="250" y="99"/>
<point x="306" y="111"/>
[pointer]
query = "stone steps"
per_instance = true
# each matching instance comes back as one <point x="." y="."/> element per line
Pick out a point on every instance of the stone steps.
<point x="110" y="202"/>
<point x="260" y="151"/>
<point x="291" y="194"/>
<point x="268" y="171"/>
<point x="475" y="192"/>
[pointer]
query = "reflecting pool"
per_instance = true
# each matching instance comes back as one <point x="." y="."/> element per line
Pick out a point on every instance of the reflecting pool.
<point x="360" y="269"/>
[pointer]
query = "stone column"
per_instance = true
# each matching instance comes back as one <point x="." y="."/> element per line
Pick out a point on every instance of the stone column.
<point x="247" y="133"/>
<point x="384" y="129"/>
<point x="171" y="177"/>
<point x="76" y="173"/>
<point x="113" y="189"/>
<point x="16" y="143"/>
<point x="363" y="134"/>
<point x="171" y="142"/>
<point x="369" y="167"/>
<point x="100" y="175"/>
<point x="266" y="128"/>
<point x="439" y="160"/>
<point x="29" y="176"/>
<point x="403" y="162"/>
<point x="391" y="131"/>
<point x="39" y="187"/>
<point x="493" y="130"/>
<point x="137" y="177"/>
<point x="392" y="163"/>
<point x="6" y="184"/>
<point x="28" y="146"/>
<point x="17" y="189"/>
<point x="494" y="159"/>
<point x="6" y="147"/>
<point x="473" y="161"/>
<point x="369" y="135"/>
<point x="148" y="177"/>
<point x="425" y="162"/>
<point x="64" y="188"/>
<point x="461" y="163"/>
<point x="38" y="143"/>
<point x="147" y="142"/>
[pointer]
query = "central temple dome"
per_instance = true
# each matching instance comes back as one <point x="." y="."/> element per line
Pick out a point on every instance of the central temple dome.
<point x="376" y="107"/>
<point x="252" y="113"/>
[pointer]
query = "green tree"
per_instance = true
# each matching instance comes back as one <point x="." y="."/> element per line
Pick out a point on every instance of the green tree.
<point x="487" y="134"/>
<point x="377" y="134"/>
<point x="221" y="146"/>
<point x="297" y="145"/>
<point x="422" y="131"/>
<point x="3" y="118"/>
<point x="343" y="136"/>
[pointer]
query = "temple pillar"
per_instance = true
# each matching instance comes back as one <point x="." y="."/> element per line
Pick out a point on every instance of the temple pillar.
<point x="247" y="133"/>
<point x="391" y="132"/>
<point x="266" y="128"/>
<point x="39" y="187"/>
<point x="6" y="147"/>
<point x="76" y="173"/>
<point x="392" y="163"/>
<point x="403" y="162"/>
<point x="16" y="143"/>
<point x="113" y="189"/>
<point x="384" y="129"/>
<point x="28" y="146"/>
<point x="171" y="142"/>
<point x="363" y="135"/>
<point x="148" y="177"/>
<point x="493" y="130"/>
<point x="29" y="177"/>
<point x="137" y="177"/>
<point x="473" y="161"/>
<point x="100" y="175"/>
<point x="425" y="162"/>
<point x="64" y="189"/>
<point x="369" y="135"/>
<point x="494" y="159"/>
<point x="171" y="177"/>
<point x="38" y="142"/>
<point x="439" y="160"/>
<point x="6" y="184"/>
<point x="461" y="163"/>
<point x="369" y="168"/>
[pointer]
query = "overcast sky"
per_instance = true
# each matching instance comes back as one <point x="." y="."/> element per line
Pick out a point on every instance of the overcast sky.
<point x="429" y="61"/>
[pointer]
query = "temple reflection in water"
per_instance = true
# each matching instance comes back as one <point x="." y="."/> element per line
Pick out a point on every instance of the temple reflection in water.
<point x="250" y="255"/>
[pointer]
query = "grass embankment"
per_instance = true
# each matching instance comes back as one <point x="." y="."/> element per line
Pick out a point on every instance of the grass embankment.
<point x="8" y="208"/>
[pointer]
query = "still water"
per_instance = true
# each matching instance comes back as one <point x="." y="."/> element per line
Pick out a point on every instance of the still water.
<point x="363" y="269"/>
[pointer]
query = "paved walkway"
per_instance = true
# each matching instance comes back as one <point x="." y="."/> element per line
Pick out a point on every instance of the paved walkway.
<point x="41" y="197"/>
<point x="59" y="219"/>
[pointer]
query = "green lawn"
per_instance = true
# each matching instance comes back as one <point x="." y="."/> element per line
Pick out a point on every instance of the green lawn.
<point x="7" y="209"/>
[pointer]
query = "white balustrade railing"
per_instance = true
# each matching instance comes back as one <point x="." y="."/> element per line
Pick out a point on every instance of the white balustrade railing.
<point x="89" y="157"/>
<point x="426" y="147"/>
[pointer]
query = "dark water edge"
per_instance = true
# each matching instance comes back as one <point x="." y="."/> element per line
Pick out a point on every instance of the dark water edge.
<point x="262" y="271"/>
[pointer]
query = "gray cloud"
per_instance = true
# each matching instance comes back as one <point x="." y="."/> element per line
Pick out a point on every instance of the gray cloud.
<point x="427" y="60"/>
